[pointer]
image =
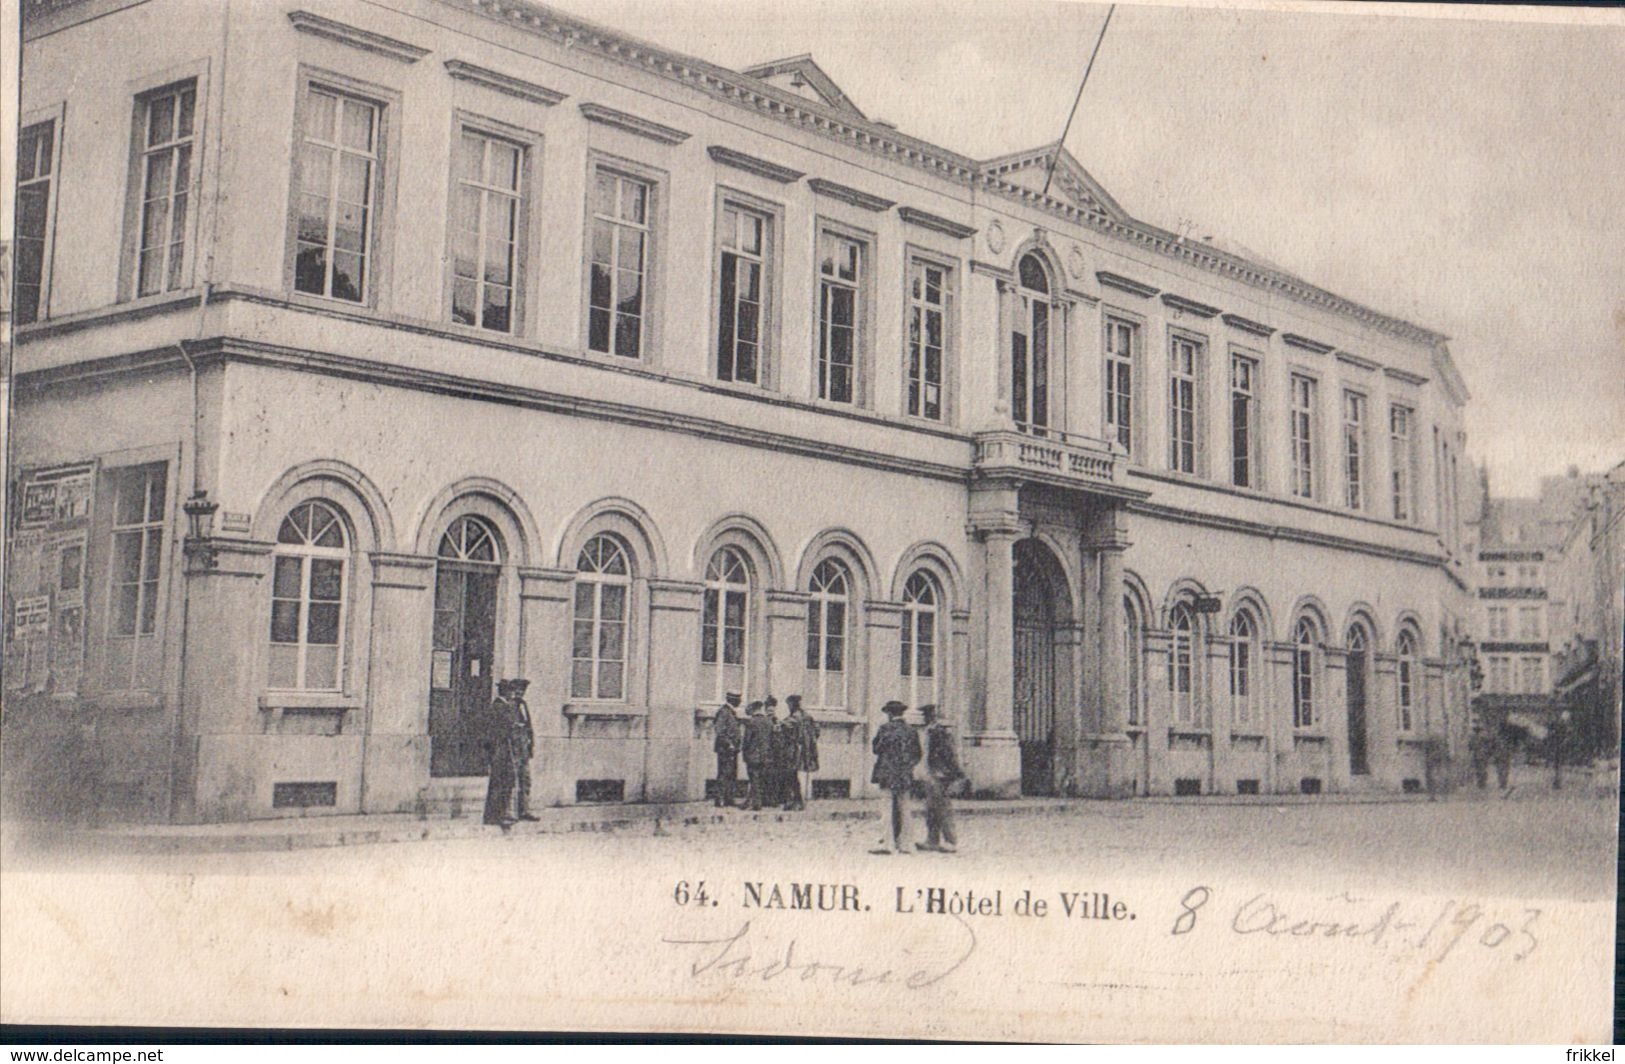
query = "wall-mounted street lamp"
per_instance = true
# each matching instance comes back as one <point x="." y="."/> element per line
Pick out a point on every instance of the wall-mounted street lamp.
<point x="199" y="546"/>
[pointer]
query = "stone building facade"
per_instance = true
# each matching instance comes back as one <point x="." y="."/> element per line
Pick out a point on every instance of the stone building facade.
<point x="376" y="351"/>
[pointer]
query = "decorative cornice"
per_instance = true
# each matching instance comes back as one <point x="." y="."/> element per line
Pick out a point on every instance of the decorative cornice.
<point x="1125" y="284"/>
<point x="847" y="194"/>
<point x="936" y="223"/>
<point x="630" y="123"/>
<point x="752" y="165"/>
<point x="1248" y="325"/>
<point x="1350" y="359"/>
<point x="1189" y="306"/>
<point x="1401" y="375"/>
<point x="528" y="91"/>
<point x="993" y="270"/>
<point x="355" y="37"/>
<point x="1303" y="343"/>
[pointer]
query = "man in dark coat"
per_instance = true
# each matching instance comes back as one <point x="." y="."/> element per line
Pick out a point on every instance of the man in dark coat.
<point x="942" y="771"/>
<point x="804" y="752"/>
<point x="897" y="751"/>
<point x="498" y="732"/>
<point x="726" y="744"/>
<point x="524" y="743"/>
<point x="758" y="752"/>
<point x="786" y="759"/>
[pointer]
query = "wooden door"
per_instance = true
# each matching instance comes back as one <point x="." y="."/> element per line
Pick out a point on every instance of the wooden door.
<point x="460" y="680"/>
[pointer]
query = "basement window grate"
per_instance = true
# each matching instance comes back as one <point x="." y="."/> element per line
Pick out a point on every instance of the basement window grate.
<point x="600" y="790"/>
<point x="1246" y="786"/>
<point x="304" y="795"/>
<point x="832" y="788"/>
<point x="1187" y="787"/>
<point x="1309" y="785"/>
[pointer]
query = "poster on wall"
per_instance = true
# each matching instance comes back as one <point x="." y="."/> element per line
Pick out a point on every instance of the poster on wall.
<point x="45" y="586"/>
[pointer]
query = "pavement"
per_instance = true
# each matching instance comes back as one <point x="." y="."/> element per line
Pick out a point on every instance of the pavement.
<point x="318" y="832"/>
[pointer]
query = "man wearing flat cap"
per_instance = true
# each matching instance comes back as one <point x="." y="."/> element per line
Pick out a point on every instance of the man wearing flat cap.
<point x="942" y="771"/>
<point x="758" y="751"/>
<point x="509" y="743"/>
<point x="725" y="728"/>
<point x="897" y="751"/>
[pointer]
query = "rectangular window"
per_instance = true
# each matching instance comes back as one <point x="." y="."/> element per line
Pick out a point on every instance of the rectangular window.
<point x="1243" y="421"/>
<point x="1354" y="450"/>
<point x="135" y="559"/>
<point x="1407" y="694"/>
<point x="1500" y="674"/>
<point x="620" y="263"/>
<point x="840" y="280"/>
<point x="1498" y="622"/>
<point x="1529" y="623"/>
<point x="339" y="178"/>
<point x="745" y="237"/>
<point x="1184" y="361"/>
<point x="488" y="228"/>
<point x="165" y="136"/>
<point x="36" y="169"/>
<point x="1532" y="676"/>
<point x="1401" y="458"/>
<point x="1122" y="341"/>
<point x="928" y="302"/>
<point x="1528" y="576"/>
<point x="1303" y="436"/>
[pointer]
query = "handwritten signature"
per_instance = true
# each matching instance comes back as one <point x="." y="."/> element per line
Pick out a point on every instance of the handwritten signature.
<point x="738" y="957"/>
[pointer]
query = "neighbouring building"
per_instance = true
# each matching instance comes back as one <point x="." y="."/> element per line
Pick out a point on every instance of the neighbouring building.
<point x="369" y="352"/>
<point x="1590" y="582"/>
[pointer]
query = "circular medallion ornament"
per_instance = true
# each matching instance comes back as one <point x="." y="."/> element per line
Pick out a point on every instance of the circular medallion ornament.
<point x="1075" y="263"/>
<point x="995" y="237"/>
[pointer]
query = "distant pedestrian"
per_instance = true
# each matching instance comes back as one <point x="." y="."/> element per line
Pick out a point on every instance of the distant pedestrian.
<point x="757" y="748"/>
<point x="727" y="738"/>
<point x="806" y="749"/>
<point x="786" y="778"/>
<point x="897" y="751"/>
<point x="524" y="742"/>
<point x="942" y="771"/>
<point x="496" y="732"/>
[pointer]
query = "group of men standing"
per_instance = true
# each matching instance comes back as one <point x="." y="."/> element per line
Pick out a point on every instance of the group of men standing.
<point x="776" y="751"/>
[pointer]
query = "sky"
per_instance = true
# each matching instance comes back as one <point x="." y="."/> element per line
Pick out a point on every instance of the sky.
<point x="1465" y="173"/>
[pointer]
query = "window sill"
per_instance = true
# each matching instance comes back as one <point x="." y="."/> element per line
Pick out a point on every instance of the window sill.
<point x="605" y="710"/>
<point x="336" y="700"/>
<point x="1189" y="731"/>
<point x="1239" y="733"/>
<point x="1413" y="739"/>
<point x="1308" y="737"/>
<point x="125" y="699"/>
<point x="834" y="716"/>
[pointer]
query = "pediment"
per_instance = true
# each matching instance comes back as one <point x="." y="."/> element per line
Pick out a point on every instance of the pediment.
<point x="800" y="75"/>
<point x="1030" y="168"/>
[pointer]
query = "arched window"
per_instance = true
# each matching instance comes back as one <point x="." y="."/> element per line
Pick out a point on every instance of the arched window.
<point x="307" y="599"/>
<point x="1407" y="681"/>
<point x="919" y="665"/>
<point x="1304" y="640"/>
<point x="1182" y="666"/>
<point x="826" y="634"/>
<point x="725" y="622"/>
<point x="1244" y="668"/>
<point x="1030" y="347"/>
<point x="1133" y="663"/>
<point x="598" y="647"/>
<point x="469" y="539"/>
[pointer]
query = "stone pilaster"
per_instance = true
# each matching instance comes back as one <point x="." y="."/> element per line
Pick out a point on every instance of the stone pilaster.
<point x="396" y="760"/>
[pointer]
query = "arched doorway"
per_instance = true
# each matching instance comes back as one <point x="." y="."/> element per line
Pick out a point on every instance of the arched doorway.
<point x="463" y="649"/>
<point x="1357" y="671"/>
<point x="1041" y="603"/>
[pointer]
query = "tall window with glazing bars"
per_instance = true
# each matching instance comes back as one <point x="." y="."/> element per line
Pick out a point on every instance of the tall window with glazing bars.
<point x="166" y="131"/>
<point x="338" y="173"/>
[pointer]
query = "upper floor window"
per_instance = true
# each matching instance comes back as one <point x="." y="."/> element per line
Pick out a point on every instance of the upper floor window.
<point x="1401" y="459"/>
<point x="841" y="266"/>
<point x="338" y="191"/>
<point x="1303" y="423"/>
<point x="1305" y="640"/>
<point x="166" y="129"/>
<point x="36" y="173"/>
<point x="137" y="548"/>
<point x="1030" y="347"/>
<point x="1245" y="663"/>
<point x="1243" y="421"/>
<point x="1407" y="681"/>
<point x="487" y="241"/>
<point x="617" y="297"/>
<point x="598" y="642"/>
<point x="1529" y="623"/>
<point x="1354" y="460"/>
<point x="725" y="621"/>
<point x="921" y="601"/>
<point x="1532" y="675"/>
<point x="928" y="301"/>
<point x="1182" y="666"/>
<point x="307" y="599"/>
<point x="1499" y="627"/>
<point x="745" y="238"/>
<point x="1122" y="342"/>
<point x="1528" y="576"/>
<point x="827" y="609"/>
<point x="1184" y="365"/>
<point x="1500" y="679"/>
